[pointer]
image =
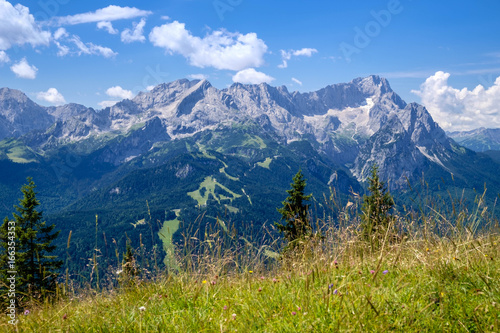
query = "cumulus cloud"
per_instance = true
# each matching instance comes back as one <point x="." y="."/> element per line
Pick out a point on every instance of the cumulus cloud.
<point x="24" y="70"/>
<point x="4" y="58"/>
<point x="252" y="76"/>
<point x="119" y="92"/>
<point x="108" y="26"/>
<point x="108" y="14"/>
<point x="52" y="96"/>
<point x="287" y="55"/>
<point x="460" y="109"/>
<point x="220" y="49"/>
<point x="297" y="81"/>
<point x="18" y="27"/>
<point x="135" y="35"/>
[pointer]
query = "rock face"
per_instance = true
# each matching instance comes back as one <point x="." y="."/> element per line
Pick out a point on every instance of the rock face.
<point x="20" y="115"/>
<point x="355" y="124"/>
<point x="481" y="139"/>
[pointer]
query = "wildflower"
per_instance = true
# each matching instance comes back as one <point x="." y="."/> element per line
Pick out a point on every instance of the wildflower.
<point x="204" y="281"/>
<point x="142" y="308"/>
<point x="330" y="286"/>
<point x="26" y="312"/>
<point x="65" y="316"/>
<point x="372" y="271"/>
<point x="335" y="262"/>
<point x="427" y="249"/>
<point x="259" y="290"/>
<point x="119" y="272"/>
<point x="299" y="308"/>
<point x="262" y="278"/>
<point x="225" y="307"/>
<point x="385" y="272"/>
<point x="234" y="315"/>
<point x="250" y="272"/>
<point x="213" y="282"/>
<point x="275" y="280"/>
<point x="294" y="313"/>
<point x="335" y="292"/>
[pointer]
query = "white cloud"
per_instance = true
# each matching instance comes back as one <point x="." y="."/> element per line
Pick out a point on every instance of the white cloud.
<point x="110" y="13"/>
<point x="63" y="49"/>
<point x="136" y="35"/>
<point x="306" y="52"/>
<point x="4" y="58"/>
<point x="52" y="96"/>
<point x="60" y="33"/>
<point x="24" y="70"/>
<point x="92" y="49"/>
<point x="106" y="104"/>
<point x="62" y="37"/>
<point x="165" y="17"/>
<point x="287" y="55"/>
<point x="252" y="76"/>
<point x="119" y="92"/>
<point x="18" y="27"/>
<point x="108" y="26"/>
<point x="460" y="110"/>
<point x="198" y="77"/>
<point x="296" y="81"/>
<point x="220" y="49"/>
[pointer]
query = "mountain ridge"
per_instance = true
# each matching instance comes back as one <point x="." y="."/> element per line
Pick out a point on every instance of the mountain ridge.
<point x="346" y="121"/>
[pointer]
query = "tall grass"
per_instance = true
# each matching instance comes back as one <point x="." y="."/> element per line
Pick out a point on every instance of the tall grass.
<point x="439" y="271"/>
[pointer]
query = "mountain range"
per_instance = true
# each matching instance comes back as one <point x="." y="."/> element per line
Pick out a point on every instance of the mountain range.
<point x="481" y="139"/>
<point x="186" y="148"/>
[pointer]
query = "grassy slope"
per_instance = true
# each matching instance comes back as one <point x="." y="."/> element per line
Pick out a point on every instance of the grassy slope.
<point x="424" y="283"/>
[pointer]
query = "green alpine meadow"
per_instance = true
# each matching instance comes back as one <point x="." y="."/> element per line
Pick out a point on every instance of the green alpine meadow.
<point x="249" y="166"/>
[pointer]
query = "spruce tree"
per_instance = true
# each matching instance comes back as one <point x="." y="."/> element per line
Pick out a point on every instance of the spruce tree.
<point x="295" y="211"/>
<point x="376" y="207"/>
<point x="36" y="269"/>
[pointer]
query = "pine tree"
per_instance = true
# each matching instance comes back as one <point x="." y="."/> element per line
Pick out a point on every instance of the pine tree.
<point x="36" y="269"/>
<point x="376" y="207"/>
<point x="129" y="264"/>
<point x="295" y="211"/>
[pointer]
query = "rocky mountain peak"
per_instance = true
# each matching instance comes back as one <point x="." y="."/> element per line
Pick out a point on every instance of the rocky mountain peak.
<point x="165" y="93"/>
<point x="373" y="85"/>
<point x="19" y="114"/>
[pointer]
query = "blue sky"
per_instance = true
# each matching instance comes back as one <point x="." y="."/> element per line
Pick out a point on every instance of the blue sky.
<point x="98" y="52"/>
